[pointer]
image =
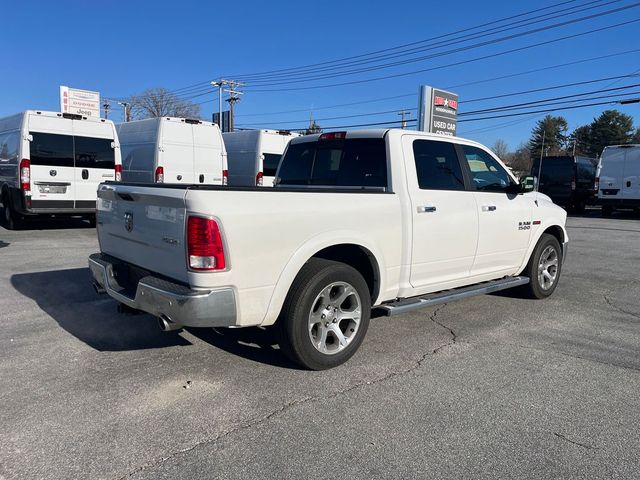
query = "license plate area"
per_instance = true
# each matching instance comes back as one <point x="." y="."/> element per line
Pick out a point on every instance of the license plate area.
<point x="52" y="187"/>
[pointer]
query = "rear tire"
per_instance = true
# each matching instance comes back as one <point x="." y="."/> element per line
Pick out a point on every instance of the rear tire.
<point x="10" y="217"/>
<point x="325" y="315"/>
<point x="544" y="268"/>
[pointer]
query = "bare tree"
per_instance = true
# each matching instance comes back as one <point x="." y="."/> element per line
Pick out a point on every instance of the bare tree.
<point x="160" y="102"/>
<point x="501" y="149"/>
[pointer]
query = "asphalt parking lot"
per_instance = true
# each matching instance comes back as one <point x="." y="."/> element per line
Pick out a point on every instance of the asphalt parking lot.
<point x="489" y="387"/>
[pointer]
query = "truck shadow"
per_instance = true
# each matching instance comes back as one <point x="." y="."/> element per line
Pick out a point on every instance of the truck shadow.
<point x="67" y="297"/>
<point x="253" y="343"/>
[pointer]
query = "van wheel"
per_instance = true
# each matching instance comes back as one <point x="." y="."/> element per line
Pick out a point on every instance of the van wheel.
<point x="325" y="315"/>
<point x="607" y="210"/>
<point x="10" y="217"/>
<point x="544" y="267"/>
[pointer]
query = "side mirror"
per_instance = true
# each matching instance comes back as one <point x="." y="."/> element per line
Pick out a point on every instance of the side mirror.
<point x="528" y="183"/>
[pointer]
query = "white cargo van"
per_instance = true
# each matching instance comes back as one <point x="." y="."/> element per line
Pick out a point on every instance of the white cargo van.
<point x="618" y="178"/>
<point x="172" y="150"/>
<point x="52" y="163"/>
<point x="254" y="155"/>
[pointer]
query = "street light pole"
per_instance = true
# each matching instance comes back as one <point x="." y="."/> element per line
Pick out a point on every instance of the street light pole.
<point x="219" y="84"/>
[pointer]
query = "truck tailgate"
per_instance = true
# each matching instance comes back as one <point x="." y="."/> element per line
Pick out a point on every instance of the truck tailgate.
<point x="144" y="225"/>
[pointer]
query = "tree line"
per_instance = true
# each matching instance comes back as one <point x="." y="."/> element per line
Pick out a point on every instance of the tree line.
<point x="550" y="136"/>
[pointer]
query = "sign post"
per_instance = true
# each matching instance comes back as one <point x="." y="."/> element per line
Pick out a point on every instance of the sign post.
<point x="80" y="102"/>
<point x="437" y="111"/>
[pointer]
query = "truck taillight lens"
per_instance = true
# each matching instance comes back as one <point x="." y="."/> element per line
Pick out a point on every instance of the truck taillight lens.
<point x="596" y="185"/>
<point x="159" y="174"/>
<point x="204" y="244"/>
<point x="118" y="169"/>
<point x="259" y="179"/>
<point x="25" y="176"/>
<point x="225" y="177"/>
<point x="573" y="183"/>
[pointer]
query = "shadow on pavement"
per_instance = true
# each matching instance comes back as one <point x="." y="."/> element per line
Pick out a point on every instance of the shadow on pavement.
<point x="253" y="343"/>
<point x="54" y="223"/>
<point x="68" y="298"/>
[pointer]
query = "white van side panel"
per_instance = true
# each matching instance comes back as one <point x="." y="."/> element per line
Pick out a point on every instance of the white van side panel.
<point x="10" y="149"/>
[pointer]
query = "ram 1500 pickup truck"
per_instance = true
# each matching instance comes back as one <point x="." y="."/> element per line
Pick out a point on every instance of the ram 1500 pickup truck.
<point x="396" y="219"/>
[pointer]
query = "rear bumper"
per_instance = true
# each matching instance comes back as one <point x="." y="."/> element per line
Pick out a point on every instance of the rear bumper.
<point x="176" y="303"/>
<point x="619" y="202"/>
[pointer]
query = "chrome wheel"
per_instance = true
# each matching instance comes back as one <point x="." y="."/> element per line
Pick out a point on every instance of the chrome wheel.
<point x="548" y="267"/>
<point x="334" y="318"/>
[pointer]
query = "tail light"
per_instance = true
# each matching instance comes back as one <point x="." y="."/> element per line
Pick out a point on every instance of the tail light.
<point x="573" y="183"/>
<point x="204" y="244"/>
<point x="25" y="176"/>
<point x="118" y="173"/>
<point x="259" y="179"/>
<point x="225" y="177"/>
<point x="596" y="185"/>
<point x="159" y="174"/>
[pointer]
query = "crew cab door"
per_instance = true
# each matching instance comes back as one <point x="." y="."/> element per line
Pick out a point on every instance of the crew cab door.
<point x="443" y="215"/>
<point x="504" y="218"/>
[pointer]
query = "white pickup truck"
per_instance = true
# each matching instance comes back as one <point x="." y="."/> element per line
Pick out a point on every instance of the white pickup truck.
<point x="396" y="219"/>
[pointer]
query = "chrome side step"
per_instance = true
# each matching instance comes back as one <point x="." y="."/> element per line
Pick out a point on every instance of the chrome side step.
<point x="414" y="303"/>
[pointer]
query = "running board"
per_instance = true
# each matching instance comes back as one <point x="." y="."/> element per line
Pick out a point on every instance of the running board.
<point x="414" y="303"/>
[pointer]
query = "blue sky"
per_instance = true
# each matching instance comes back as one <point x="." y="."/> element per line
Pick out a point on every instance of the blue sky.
<point x="121" y="48"/>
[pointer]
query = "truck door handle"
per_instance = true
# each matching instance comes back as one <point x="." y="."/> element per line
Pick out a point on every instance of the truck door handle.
<point x="628" y="184"/>
<point x="488" y="208"/>
<point x="426" y="209"/>
<point x="85" y="173"/>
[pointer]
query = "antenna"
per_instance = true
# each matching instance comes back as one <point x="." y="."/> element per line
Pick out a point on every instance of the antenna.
<point x="544" y="134"/>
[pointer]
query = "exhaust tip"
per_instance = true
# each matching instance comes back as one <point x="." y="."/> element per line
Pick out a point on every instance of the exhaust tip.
<point x="166" y="325"/>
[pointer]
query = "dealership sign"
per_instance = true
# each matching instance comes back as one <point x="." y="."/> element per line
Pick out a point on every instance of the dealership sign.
<point x="82" y="102"/>
<point x="437" y="111"/>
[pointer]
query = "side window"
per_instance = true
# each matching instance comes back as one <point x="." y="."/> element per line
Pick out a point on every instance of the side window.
<point x="94" y="153"/>
<point x="9" y="148"/>
<point x="487" y="174"/>
<point x="437" y="165"/>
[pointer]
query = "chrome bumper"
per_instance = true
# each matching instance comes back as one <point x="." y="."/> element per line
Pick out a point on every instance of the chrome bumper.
<point x="170" y="301"/>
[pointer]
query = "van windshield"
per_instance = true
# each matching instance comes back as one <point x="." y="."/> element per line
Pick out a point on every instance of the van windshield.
<point x="69" y="151"/>
<point x="358" y="162"/>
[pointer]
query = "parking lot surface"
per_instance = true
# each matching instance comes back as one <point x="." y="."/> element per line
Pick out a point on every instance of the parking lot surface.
<point x="490" y="387"/>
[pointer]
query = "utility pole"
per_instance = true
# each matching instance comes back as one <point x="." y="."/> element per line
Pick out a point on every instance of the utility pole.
<point x="232" y="84"/>
<point x="127" y="112"/>
<point x="403" y="125"/>
<point x="106" y="105"/>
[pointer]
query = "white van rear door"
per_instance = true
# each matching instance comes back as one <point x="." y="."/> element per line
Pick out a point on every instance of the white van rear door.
<point x="52" y="171"/>
<point x="207" y="154"/>
<point x="631" y="180"/>
<point x="175" y="154"/>
<point x="94" y="150"/>
<point x="611" y="173"/>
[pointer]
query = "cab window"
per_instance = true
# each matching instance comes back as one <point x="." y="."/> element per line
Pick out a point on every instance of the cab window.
<point x="437" y="165"/>
<point x="486" y="173"/>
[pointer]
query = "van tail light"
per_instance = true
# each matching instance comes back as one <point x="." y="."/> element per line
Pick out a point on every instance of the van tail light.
<point x="159" y="174"/>
<point x="259" y="179"/>
<point x="118" y="173"/>
<point x="573" y="183"/>
<point x="204" y="244"/>
<point x="596" y="185"/>
<point x="25" y="176"/>
<point x="225" y="177"/>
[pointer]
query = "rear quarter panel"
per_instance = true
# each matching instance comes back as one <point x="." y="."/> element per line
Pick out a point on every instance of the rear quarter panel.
<point x="269" y="236"/>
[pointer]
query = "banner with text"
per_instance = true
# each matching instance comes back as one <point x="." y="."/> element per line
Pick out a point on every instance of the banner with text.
<point x="81" y="102"/>
<point x="437" y="111"/>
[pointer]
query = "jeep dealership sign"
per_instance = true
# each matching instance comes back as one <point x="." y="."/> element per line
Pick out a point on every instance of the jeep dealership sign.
<point x="82" y="102"/>
<point x="437" y="111"/>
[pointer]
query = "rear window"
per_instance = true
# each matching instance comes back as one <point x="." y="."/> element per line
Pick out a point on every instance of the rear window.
<point x="67" y="151"/>
<point x="358" y="162"/>
<point x="554" y="168"/>
<point x="94" y="153"/>
<point x="270" y="164"/>
<point x="51" y="149"/>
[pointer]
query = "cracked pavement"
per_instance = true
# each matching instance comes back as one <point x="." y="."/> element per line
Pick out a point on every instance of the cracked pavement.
<point x="489" y="387"/>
